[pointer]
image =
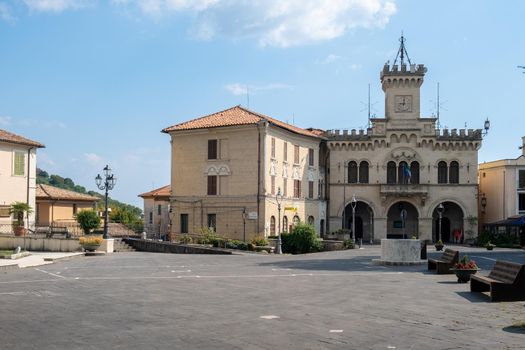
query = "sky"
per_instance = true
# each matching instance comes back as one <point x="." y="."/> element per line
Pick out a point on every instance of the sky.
<point x="96" y="81"/>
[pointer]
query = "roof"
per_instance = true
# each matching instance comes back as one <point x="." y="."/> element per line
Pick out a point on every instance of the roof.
<point x="235" y="116"/>
<point x="6" y="136"/>
<point x="55" y="193"/>
<point x="159" y="192"/>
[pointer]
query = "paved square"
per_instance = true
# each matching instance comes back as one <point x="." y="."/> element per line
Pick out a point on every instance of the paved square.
<point x="332" y="300"/>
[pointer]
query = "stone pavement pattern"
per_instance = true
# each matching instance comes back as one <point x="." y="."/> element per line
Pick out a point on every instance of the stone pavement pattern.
<point x="334" y="300"/>
<point x="36" y="259"/>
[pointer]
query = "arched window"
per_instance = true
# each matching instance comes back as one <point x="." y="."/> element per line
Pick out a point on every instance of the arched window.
<point x="296" y="220"/>
<point x="285" y="224"/>
<point x="442" y="172"/>
<point x="414" y="170"/>
<point x="391" y="172"/>
<point x="352" y="172"/>
<point x="363" y="172"/>
<point x="453" y="175"/>
<point x="272" y="225"/>
<point x="311" y="220"/>
<point x="403" y="173"/>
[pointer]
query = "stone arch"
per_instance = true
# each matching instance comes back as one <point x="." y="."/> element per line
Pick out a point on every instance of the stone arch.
<point x="436" y="202"/>
<point x="365" y="201"/>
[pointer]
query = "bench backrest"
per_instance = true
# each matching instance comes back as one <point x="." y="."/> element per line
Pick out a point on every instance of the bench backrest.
<point x="59" y="229"/>
<point x="450" y="256"/>
<point x="507" y="272"/>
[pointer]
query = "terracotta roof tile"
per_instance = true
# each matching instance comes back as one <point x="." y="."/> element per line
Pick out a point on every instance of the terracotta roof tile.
<point x="159" y="192"/>
<point x="51" y="192"/>
<point x="235" y="116"/>
<point x="7" y="136"/>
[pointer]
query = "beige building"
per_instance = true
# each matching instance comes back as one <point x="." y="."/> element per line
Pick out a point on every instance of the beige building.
<point x="57" y="206"/>
<point x="157" y="211"/>
<point x="402" y="168"/>
<point x="228" y="167"/>
<point x="502" y="188"/>
<point x="17" y="174"/>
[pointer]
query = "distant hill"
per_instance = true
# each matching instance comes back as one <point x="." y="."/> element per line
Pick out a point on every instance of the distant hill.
<point x="42" y="177"/>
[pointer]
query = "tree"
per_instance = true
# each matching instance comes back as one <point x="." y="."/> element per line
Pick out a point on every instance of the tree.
<point x="19" y="209"/>
<point x="88" y="220"/>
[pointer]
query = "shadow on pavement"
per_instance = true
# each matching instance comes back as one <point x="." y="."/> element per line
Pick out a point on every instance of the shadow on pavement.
<point x="474" y="297"/>
<point x="514" y="329"/>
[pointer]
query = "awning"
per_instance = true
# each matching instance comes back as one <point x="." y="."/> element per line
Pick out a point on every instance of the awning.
<point x="518" y="220"/>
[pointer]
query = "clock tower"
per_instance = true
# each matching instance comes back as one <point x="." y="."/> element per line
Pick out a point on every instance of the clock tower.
<point x="401" y="84"/>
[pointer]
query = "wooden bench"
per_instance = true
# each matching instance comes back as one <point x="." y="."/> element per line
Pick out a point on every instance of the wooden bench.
<point x="55" y="230"/>
<point x="445" y="262"/>
<point x="506" y="282"/>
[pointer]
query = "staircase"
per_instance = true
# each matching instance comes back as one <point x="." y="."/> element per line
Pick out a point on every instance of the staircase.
<point x="119" y="246"/>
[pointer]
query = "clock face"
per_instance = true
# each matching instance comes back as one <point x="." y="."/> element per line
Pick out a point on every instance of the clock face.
<point x="403" y="103"/>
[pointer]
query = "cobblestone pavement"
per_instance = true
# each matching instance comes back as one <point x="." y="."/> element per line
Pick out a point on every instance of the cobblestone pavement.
<point x="332" y="300"/>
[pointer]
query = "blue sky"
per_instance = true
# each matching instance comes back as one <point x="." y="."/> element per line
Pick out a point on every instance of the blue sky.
<point x="96" y="81"/>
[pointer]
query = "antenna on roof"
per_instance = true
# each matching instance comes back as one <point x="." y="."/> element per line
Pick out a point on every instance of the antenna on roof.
<point x="247" y="97"/>
<point x="402" y="52"/>
<point x="438" y="106"/>
<point x="293" y="118"/>
<point x="369" y="107"/>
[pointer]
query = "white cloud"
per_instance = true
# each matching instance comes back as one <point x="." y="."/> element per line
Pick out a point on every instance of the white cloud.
<point x="4" y="121"/>
<point x="280" y="23"/>
<point x="239" y="89"/>
<point x="56" y="6"/>
<point x="92" y="158"/>
<point x="356" y="66"/>
<point x="5" y="13"/>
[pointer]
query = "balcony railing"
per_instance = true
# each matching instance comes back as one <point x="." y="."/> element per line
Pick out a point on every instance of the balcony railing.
<point x="404" y="189"/>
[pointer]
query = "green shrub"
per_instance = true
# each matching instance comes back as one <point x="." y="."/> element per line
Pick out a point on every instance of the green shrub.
<point x="186" y="239"/>
<point x="507" y="240"/>
<point x="259" y="241"/>
<point x="88" y="220"/>
<point x="303" y="239"/>
<point x="348" y="244"/>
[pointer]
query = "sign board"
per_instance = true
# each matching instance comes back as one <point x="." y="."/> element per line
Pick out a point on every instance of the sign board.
<point x="4" y="212"/>
<point x="252" y="215"/>
<point x="294" y="209"/>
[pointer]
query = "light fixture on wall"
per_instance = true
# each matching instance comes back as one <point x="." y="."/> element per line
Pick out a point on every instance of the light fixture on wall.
<point x="483" y="202"/>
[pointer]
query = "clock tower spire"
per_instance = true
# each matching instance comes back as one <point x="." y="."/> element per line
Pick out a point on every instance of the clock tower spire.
<point x="401" y="84"/>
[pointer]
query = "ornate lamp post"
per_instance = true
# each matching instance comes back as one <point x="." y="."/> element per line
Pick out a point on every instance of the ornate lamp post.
<point x="353" y="204"/>
<point x="440" y="210"/>
<point x="279" y="200"/>
<point x="107" y="183"/>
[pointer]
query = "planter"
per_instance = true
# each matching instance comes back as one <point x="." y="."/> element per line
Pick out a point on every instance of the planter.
<point x="490" y="247"/>
<point x="20" y="230"/>
<point x="463" y="275"/>
<point x="439" y="247"/>
<point x="90" y="247"/>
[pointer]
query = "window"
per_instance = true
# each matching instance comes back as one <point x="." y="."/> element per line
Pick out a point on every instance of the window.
<point x="321" y="227"/>
<point x="310" y="189"/>
<point x="297" y="188"/>
<point x="310" y="157"/>
<point x="453" y="176"/>
<point x="414" y="170"/>
<point x="363" y="172"/>
<point x="184" y="223"/>
<point x="212" y="222"/>
<point x="159" y="209"/>
<point x="285" y="151"/>
<point x="285" y="224"/>
<point x="212" y="185"/>
<point x="311" y="220"/>
<point x="273" y="147"/>
<point x="150" y="218"/>
<point x="352" y="172"/>
<point x="75" y="209"/>
<point x="273" y="185"/>
<point x="403" y="173"/>
<point x="272" y="225"/>
<point x="296" y="220"/>
<point x="212" y="149"/>
<point x="521" y="181"/>
<point x="391" y="173"/>
<point x="521" y="204"/>
<point x="285" y="187"/>
<point x="296" y="154"/>
<point x="19" y="164"/>
<point x="442" y="172"/>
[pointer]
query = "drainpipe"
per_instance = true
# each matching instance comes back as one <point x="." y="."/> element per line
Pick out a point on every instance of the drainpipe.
<point x="28" y="178"/>
<point x="258" y="177"/>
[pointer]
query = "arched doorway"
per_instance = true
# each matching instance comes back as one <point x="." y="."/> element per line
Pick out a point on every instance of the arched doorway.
<point x="364" y="217"/>
<point x="451" y="223"/>
<point x="403" y="221"/>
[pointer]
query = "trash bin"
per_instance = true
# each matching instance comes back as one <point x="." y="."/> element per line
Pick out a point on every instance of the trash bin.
<point x="423" y="250"/>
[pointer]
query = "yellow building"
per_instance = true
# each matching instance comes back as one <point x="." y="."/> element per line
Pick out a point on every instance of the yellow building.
<point x="57" y="206"/>
<point x="156" y="211"/>
<point x="228" y="167"/>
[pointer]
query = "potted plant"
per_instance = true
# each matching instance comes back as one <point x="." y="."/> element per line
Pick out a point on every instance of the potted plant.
<point x="91" y="243"/>
<point x="439" y="245"/>
<point x="464" y="269"/>
<point x="490" y="246"/>
<point x="19" y="210"/>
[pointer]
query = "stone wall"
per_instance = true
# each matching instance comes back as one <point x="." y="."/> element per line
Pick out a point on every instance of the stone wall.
<point x="166" y="247"/>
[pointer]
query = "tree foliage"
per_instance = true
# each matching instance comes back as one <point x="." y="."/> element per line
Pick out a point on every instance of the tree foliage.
<point x="303" y="239"/>
<point x="88" y="220"/>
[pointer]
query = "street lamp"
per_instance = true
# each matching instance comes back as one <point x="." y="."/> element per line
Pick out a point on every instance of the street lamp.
<point x="354" y="204"/>
<point x="107" y="183"/>
<point x="486" y="127"/>
<point x="440" y="210"/>
<point x="279" y="200"/>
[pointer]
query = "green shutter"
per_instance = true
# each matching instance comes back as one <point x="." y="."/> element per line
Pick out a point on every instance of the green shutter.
<point x="20" y="164"/>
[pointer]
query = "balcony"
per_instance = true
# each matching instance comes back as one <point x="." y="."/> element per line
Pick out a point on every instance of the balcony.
<point x="402" y="190"/>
